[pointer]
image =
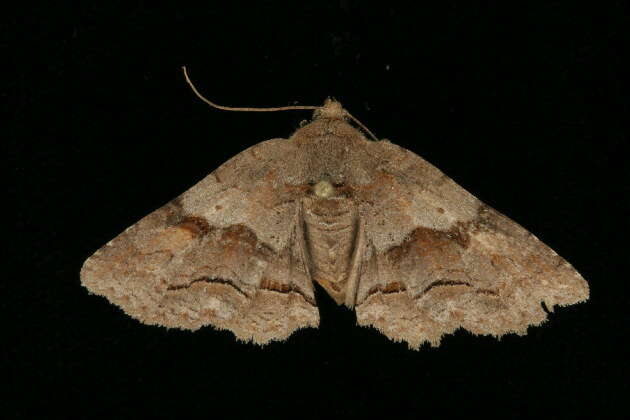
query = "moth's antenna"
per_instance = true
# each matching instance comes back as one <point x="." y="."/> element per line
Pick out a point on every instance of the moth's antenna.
<point x="280" y="108"/>
<point x="230" y="108"/>
<point x="362" y="126"/>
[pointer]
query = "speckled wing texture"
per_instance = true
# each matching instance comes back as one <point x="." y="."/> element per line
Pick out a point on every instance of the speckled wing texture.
<point x="460" y="264"/>
<point x="223" y="254"/>
<point x="377" y="227"/>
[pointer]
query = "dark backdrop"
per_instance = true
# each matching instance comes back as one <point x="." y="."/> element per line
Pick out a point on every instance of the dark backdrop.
<point x="524" y="106"/>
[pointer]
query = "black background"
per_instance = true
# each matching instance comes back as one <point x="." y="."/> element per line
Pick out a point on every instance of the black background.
<point x="524" y="106"/>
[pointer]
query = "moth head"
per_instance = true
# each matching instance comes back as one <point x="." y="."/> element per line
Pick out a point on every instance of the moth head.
<point x="332" y="110"/>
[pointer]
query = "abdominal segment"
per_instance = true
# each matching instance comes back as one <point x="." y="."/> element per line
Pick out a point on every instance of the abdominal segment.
<point x="330" y="235"/>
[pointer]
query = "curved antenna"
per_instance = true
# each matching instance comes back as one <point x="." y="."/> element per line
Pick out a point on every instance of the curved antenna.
<point x="279" y="108"/>
<point x="361" y="125"/>
<point x="230" y="108"/>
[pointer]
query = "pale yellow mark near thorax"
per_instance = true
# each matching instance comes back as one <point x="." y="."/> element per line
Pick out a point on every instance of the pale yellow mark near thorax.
<point x="324" y="189"/>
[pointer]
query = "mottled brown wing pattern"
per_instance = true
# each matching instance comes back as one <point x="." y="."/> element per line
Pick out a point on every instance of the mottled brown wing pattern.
<point x="379" y="228"/>
<point x="196" y="261"/>
<point x="464" y="265"/>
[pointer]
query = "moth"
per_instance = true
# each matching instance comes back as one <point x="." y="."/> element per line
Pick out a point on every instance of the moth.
<point x="380" y="229"/>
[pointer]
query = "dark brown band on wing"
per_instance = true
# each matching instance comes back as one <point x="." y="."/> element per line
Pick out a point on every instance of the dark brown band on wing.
<point x="207" y="280"/>
<point x="267" y="284"/>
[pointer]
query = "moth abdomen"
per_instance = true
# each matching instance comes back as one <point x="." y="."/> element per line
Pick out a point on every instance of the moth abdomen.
<point x="331" y="227"/>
